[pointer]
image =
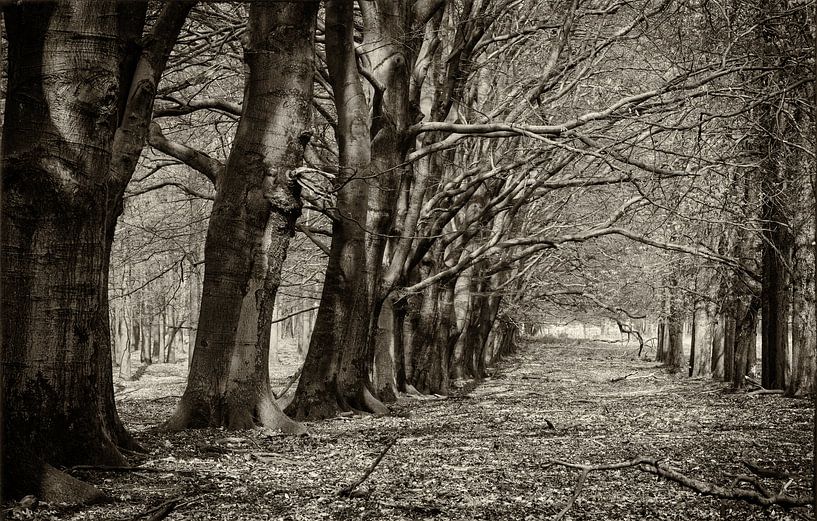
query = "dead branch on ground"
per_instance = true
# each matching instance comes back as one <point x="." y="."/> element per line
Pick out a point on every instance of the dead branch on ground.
<point x="292" y="380"/>
<point x="759" y="495"/>
<point x="620" y="378"/>
<point x="765" y="472"/>
<point x="125" y="468"/>
<point x="164" y="509"/>
<point x="348" y="490"/>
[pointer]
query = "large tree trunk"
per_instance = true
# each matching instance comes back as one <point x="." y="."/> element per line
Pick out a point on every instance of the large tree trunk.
<point x="462" y="313"/>
<point x="384" y="376"/>
<point x="775" y="292"/>
<point x="776" y="209"/>
<point x="335" y="375"/>
<point x="253" y="218"/>
<point x="62" y="110"/>
<point x="804" y="324"/>
<point x="729" y="329"/>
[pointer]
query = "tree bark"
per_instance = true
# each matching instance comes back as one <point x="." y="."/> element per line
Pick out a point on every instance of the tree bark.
<point x="659" y="351"/>
<point x="747" y="309"/>
<point x="718" y="353"/>
<point x="804" y="324"/>
<point x="703" y="333"/>
<point x="384" y="378"/>
<point x="66" y="65"/>
<point x="256" y="205"/>
<point x="775" y="292"/>
<point x="675" y="357"/>
<point x="335" y="375"/>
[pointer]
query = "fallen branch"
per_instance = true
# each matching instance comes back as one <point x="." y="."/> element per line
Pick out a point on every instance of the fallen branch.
<point x="292" y="380"/>
<point x="634" y="377"/>
<point x="620" y="378"/>
<point x="758" y="496"/>
<point x="348" y="490"/>
<point x="164" y="509"/>
<point x="762" y="391"/>
<point x="115" y="468"/>
<point x="764" y="472"/>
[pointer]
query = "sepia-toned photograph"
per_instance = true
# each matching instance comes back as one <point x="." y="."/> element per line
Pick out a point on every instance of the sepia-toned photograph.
<point x="432" y="260"/>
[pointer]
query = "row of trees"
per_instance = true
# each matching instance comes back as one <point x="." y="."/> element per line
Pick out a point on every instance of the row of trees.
<point x="453" y="164"/>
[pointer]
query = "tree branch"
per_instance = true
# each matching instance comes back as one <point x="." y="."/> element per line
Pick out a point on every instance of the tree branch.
<point x="210" y="167"/>
<point x="758" y="496"/>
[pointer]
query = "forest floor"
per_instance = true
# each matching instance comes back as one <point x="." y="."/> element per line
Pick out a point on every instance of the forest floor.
<point x="480" y="454"/>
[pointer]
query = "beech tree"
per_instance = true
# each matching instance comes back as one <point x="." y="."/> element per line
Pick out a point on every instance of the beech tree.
<point x="80" y="91"/>
<point x="257" y="203"/>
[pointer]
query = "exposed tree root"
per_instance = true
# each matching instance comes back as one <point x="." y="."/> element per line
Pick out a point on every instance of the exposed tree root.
<point x="326" y="404"/>
<point x="232" y="414"/>
<point x="758" y="495"/>
<point x="56" y="486"/>
<point x="349" y="490"/>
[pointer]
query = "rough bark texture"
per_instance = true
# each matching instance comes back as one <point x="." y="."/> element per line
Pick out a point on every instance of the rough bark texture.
<point x="804" y="324"/>
<point x="335" y="376"/>
<point x="703" y="333"/>
<point x="747" y="309"/>
<point x="384" y="378"/>
<point x="775" y="293"/>
<point x="718" y="332"/>
<point x="68" y="63"/>
<point x="675" y="358"/>
<point x="257" y="203"/>
<point x="660" y="348"/>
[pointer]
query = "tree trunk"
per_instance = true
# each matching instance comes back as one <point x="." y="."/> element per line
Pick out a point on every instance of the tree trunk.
<point x="384" y="380"/>
<point x="170" y="342"/>
<point x="804" y="325"/>
<point x="400" y="369"/>
<point x="776" y="207"/>
<point x="659" y="351"/>
<point x="156" y="337"/>
<point x="127" y="329"/>
<point x="718" y="333"/>
<point x="703" y="332"/>
<point x="675" y="358"/>
<point x="747" y="309"/>
<point x="775" y="295"/>
<point x="425" y="377"/>
<point x="462" y="313"/>
<point x="728" y="344"/>
<point x="335" y="375"/>
<point x="146" y="335"/>
<point x="56" y="237"/>
<point x="253" y="218"/>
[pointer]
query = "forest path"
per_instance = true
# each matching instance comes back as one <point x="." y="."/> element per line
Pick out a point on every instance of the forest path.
<point x="481" y="455"/>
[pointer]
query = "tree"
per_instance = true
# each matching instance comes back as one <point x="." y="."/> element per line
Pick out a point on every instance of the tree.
<point x="80" y="93"/>
<point x="253" y="218"/>
<point x="335" y="374"/>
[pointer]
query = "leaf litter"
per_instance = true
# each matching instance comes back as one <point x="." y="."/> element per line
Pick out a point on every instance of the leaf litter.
<point x="481" y="453"/>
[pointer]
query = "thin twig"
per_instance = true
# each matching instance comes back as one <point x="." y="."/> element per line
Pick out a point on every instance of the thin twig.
<point x="347" y="491"/>
<point x="115" y="468"/>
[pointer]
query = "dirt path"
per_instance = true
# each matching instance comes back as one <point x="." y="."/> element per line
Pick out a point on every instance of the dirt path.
<point x="481" y="455"/>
